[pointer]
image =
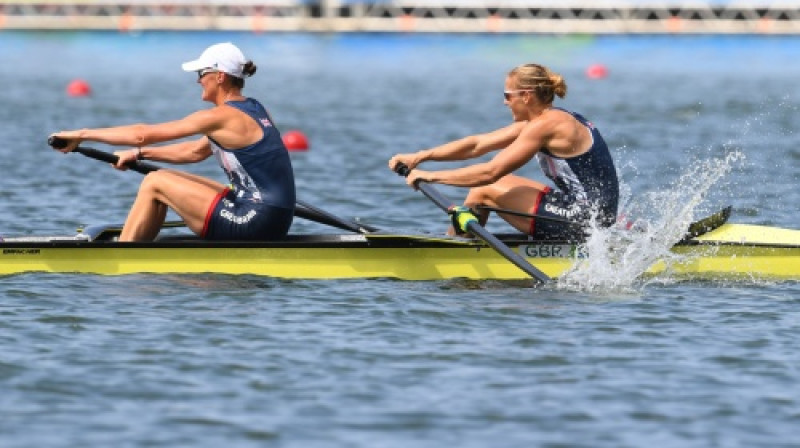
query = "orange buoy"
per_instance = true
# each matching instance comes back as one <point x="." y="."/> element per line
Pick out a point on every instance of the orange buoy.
<point x="597" y="71"/>
<point x="295" y="141"/>
<point x="78" y="87"/>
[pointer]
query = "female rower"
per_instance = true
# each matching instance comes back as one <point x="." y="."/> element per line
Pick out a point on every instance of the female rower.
<point x="260" y="202"/>
<point x="569" y="149"/>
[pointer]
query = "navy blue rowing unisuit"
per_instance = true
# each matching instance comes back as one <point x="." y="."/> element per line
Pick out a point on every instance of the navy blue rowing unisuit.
<point x="260" y="202"/>
<point x="585" y="184"/>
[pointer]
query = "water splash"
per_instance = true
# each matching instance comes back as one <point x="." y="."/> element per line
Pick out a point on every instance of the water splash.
<point x="614" y="259"/>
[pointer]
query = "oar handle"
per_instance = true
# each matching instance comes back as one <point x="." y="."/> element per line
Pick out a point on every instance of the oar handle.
<point x="402" y="169"/>
<point x="140" y="167"/>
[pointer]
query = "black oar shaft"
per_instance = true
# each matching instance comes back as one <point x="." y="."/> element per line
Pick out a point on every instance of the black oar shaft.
<point x="324" y="217"/>
<point x="311" y="213"/>
<point x="475" y="228"/>
<point x="138" y="166"/>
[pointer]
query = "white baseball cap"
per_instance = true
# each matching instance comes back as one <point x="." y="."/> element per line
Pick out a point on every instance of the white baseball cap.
<point x="224" y="57"/>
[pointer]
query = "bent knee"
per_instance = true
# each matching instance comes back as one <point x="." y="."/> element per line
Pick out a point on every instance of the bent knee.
<point x="482" y="194"/>
<point x="154" y="181"/>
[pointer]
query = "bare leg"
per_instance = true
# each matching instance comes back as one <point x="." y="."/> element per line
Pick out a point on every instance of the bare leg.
<point x="511" y="192"/>
<point x="190" y="196"/>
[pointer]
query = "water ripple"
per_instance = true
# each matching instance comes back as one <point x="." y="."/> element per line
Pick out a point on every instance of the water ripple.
<point x="211" y="360"/>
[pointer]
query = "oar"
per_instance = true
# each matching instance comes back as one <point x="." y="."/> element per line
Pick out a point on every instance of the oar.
<point x="308" y="211"/>
<point x="469" y="222"/>
<point x="302" y="209"/>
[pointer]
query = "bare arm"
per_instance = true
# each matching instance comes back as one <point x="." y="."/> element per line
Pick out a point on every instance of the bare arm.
<point x="183" y="152"/>
<point x="140" y="135"/>
<point x="202" y="122"/>
<point x="532" y="138"/>
<point x="462" y="149"/>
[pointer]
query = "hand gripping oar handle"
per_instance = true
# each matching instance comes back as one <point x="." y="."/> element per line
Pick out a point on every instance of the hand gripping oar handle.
<point x="302" y="209"/>
<point x="475" y="228"/>
<point x="139" y="167"/>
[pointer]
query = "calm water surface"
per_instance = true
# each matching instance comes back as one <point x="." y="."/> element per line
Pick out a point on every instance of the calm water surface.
<point x="247" y="361"/>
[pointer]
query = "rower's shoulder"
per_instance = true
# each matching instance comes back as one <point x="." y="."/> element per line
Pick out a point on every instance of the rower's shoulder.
<point x="549" y="120"/>
<point x="558" y="114"/>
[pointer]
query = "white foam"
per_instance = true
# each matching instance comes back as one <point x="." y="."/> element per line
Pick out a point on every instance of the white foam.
<point x="617" y="257"/>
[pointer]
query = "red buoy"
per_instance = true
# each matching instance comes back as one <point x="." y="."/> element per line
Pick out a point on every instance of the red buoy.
<point x="78" y="87"/>
<point x="295" y="141"/>
<point x="597" y="71"/>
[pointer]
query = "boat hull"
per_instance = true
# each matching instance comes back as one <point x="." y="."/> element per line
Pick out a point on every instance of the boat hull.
<point x="407" y="257"/>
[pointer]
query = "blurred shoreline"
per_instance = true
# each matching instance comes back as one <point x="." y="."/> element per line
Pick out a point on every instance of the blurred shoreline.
<point x="668" y="17"/>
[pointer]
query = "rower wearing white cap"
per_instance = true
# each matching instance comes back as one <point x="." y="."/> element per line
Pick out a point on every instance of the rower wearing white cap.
<point x="258" y="204"/>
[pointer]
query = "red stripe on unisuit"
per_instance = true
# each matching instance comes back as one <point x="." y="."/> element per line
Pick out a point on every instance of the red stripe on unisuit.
<point x="210" y="212"/>
<point x="535" y="210"/>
